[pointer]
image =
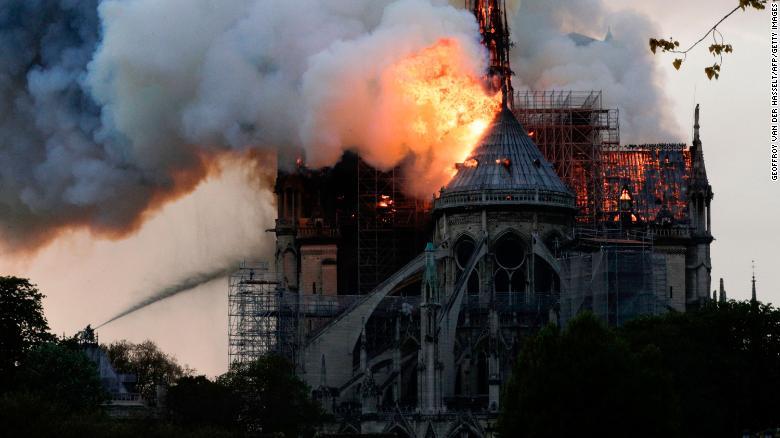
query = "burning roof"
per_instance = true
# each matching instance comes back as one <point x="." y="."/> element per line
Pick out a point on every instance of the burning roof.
<point x="656" y="179"/>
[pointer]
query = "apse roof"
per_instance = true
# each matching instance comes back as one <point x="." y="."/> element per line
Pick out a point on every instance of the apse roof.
<point x="506" y="164"/>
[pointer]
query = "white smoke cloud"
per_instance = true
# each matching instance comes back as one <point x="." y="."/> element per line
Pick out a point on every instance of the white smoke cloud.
<point x="110" y="108"/>
<point x="545" y="57"/>
<point x="263" y="73"/>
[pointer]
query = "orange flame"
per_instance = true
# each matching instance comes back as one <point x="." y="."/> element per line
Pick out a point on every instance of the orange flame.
<point x="445" y="106"/>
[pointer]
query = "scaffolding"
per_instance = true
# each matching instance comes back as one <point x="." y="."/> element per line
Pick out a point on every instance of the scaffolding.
<point x="390" y="224"/>
<point x="620" y="281"/>
<point x="258" y="323"/>
<point x="571" y="129"/>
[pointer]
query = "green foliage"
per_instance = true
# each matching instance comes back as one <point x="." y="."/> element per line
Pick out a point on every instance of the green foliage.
<point x="725" y="359"/>
<point x="147" y="362"/>
<point x="64" y="375"/>
<point x="585" y="381"/>
<point x="274" y="399"/>
<point x="199" y="401"/>
<point x="22" y="324"/>
<point x="33" y="415"/>
<point x="711" y="372"/>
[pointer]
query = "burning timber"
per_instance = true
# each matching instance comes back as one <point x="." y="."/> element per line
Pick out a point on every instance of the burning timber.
<point x="405" y="316"/>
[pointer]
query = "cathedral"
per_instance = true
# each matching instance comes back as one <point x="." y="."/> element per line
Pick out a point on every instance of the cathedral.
<point x="405" y="317"/>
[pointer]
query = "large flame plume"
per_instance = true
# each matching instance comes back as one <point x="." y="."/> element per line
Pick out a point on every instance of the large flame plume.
<point x="443" y="110"/>
<point x="428" y="108"/>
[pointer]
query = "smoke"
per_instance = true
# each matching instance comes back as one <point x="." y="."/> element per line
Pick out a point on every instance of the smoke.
<point x="112" y="108"/>
<point x="546" y="57"/>
<point x="109" y="109"/>
<point x="63" y="166"/>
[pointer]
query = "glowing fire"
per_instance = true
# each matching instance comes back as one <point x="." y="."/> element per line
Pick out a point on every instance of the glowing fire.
<point x="446" y="108"/>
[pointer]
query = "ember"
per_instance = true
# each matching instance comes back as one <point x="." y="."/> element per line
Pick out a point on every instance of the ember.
<point x="471" y="162"/>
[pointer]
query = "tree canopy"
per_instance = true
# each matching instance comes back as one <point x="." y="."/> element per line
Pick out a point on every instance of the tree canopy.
<point x="63" y="374"/>
<point x="274" y="399"/>
<point x="710" y="372"/>
<point x="151" y="366"/>
<point x="586" y="381"/>
<point x="23" y="325"/>
<point x="198" y="401"/>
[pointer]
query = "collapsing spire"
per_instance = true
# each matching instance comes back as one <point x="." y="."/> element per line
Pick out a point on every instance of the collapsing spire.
<point x="494" y="28"/>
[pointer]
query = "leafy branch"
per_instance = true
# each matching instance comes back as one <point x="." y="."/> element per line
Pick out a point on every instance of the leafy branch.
<point x="718" y="46"/>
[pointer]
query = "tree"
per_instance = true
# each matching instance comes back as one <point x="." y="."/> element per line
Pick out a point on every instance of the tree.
<point x="22" y="324"/>
<point x="717" y="48"/>
<point x="147" y="362"/>
<point x="725" y="361"/>
<point x="199" y="401"/>
<point x="64" y="375"/>
<point x="585" y="381"/>
<point x="274" y="399"/>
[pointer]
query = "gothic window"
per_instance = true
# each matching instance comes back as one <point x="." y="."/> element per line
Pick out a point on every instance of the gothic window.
<point x="463" y="251"/>
<point x="501" y="281"/>
<point x="400" y="433"/>
<point x="510" y="251"/>
<point x="518" y="281"/>
<point x="482" y="373"/>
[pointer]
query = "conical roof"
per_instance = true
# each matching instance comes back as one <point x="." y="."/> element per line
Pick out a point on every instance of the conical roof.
<point x="506" y="168"/>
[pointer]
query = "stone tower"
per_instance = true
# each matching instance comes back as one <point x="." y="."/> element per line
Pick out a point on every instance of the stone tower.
<point x="698" y="263"/>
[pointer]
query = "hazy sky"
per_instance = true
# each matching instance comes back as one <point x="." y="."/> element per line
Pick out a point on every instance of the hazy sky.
<point x="88" y="281"/>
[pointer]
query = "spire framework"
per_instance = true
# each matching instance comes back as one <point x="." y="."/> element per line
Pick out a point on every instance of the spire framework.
<point x="494" y="28"/>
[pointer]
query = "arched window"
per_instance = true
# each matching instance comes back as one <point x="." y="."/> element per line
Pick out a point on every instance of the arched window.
<point x="518" y="281"/>
<point x="463" y="251"/>
<point x="501" y="281"/>
<point x="482" y="373"/>
<point x="510" y="251"/>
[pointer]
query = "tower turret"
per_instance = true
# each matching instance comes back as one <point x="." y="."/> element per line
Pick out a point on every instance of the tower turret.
<point x="429" y="367"/>
<point x="698" y="262"/>
<point x="699" y="189"/>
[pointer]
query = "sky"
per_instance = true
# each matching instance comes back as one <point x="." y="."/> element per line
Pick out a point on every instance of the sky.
<point x="87" y="280"/>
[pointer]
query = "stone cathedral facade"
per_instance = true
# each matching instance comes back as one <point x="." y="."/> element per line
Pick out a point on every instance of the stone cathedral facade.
<point x="427" y="351"/>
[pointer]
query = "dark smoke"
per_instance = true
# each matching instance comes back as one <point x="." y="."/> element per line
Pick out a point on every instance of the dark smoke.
<point x="186" y="285"/>
<point x="110" y="108"/>
<point x="61" y="165"/>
